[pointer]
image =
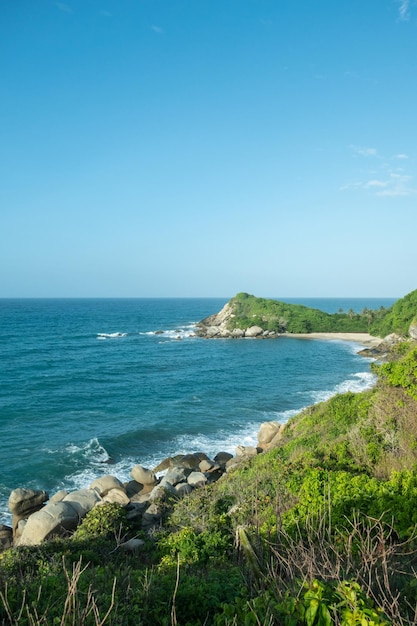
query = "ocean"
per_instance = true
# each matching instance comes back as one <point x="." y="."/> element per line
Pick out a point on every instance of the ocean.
<point x="94" y="386"/>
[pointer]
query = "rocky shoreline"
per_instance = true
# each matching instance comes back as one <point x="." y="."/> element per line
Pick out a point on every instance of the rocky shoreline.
<point x="36" y="517"/>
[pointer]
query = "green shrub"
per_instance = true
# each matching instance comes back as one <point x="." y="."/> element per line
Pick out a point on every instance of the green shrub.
<point x="104" y="520"/>
<point x="402" y="373"/>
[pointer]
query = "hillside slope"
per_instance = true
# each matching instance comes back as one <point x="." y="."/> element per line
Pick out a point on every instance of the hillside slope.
<point x="249" y="316"/>
<point x="320" y="530"/>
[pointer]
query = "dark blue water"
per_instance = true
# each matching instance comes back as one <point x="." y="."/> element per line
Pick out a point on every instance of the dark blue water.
<point x="85" y="381"/>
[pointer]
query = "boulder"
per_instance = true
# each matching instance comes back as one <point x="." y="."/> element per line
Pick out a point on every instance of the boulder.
<point x="391" y="340"/>
<point x="183" y="489"/>
<point x="246" y="451"/>
<point x="132" y="488"/>
<point x="234" y="462"/>
<point x="161" y="492"/>
<point x="163" y="465"/>
<point x="197" y="479"/>
<point x="237" y="333"/>
<point x="212" y="331"/>
<point x="105" y="483"/>
<point x="274" y="441"/>
<point x="140" y="498"/>
<point x="6" y="537"/>
<point x="151" y="517"/>
<point x="25" y="501"/>
<point x="254" y="331"/>
<point x="214" y="474"/>
<point x="202" y="456"/>
<point x="174" y="476"/>
<point x="267" y="432"/>
<point x="117" y="496"/>
<point x="207" y="466"/>
<point x="56" y="518"/>
<point x="82" y="501"/>
<point x="190" y="461"/>
<point x="222" y="457"/>
<point x="18" y="530"/>
<point x="143" y="475"/>
<point x="59" y="495"/>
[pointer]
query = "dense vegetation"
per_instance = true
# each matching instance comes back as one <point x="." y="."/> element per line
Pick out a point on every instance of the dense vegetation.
<point x="295" y="318"/>
<point x="321" y="530"/>
<point x="396" y="319"/>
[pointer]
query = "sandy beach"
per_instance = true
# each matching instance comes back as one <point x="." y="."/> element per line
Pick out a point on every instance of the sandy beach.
<point x="363" y="338"/>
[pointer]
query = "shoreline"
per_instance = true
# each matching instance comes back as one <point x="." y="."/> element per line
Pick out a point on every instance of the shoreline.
<point x="365" y="339"/>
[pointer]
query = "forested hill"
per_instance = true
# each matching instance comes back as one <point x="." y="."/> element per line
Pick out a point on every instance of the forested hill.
<point x="245" y="311"/>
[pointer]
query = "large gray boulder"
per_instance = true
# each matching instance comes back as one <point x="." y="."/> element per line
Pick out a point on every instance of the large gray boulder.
<point x="83" y="500"/>
<point x="174" y="476"/>
<point x="197" y="479"/>
<point x="267" y="432"/>
<point x="25" y="501"/>
<point x="55" y="519"/>
<point x="117" y="496"/>
<point x="143" y="475"/>
<point x="222" y="458"/>
<point x="212" y="331"/>
<point x="161" y="493"/>
<point x="183" y="489"/>
<point x="190" y="461"/>
<point x="246" y="451"/>
<point x="254" y="331"/>
<point x="59" y="495"/>
<point x="105" y="483"/>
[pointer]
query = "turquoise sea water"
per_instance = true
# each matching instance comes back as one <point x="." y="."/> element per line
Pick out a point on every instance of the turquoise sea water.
<point x="84" y="382"/>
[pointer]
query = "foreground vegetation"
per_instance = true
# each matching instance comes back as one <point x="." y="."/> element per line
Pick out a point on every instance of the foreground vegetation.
<point x="294" y="318"/>
<point x="321" y="530"/>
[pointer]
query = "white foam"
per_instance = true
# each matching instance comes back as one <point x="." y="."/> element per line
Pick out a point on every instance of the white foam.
<point x="110" y="335"/>
<point x="221" y="441"/>
<point x="182" y="332"/>
<point x="360" y="381"/>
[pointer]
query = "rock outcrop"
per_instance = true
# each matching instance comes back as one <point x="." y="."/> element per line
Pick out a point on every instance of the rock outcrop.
<point x="37" y="518"/>
<point x="383" y="349"/>
<point x="412" y="331"/>
<point x="217" y="325"/>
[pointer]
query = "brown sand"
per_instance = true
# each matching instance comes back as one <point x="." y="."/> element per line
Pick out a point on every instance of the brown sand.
<point x="363" y="338"/>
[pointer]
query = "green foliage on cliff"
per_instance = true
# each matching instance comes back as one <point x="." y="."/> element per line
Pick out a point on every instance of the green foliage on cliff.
<point x="292" y="318"/>
<point x="319" y="531"/>
<point x="402" y="373"/>
<point x="396" y="319"/>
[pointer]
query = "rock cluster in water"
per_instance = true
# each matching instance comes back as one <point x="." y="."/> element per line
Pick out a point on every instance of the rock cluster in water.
<point x="37" y="517"/>
<point x="217" y="326"/>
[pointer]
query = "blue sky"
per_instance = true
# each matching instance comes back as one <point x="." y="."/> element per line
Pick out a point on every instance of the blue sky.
<point x="207" y="147"/>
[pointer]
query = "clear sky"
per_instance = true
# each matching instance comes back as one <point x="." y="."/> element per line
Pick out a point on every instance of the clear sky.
<point x="207" y="147"/>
